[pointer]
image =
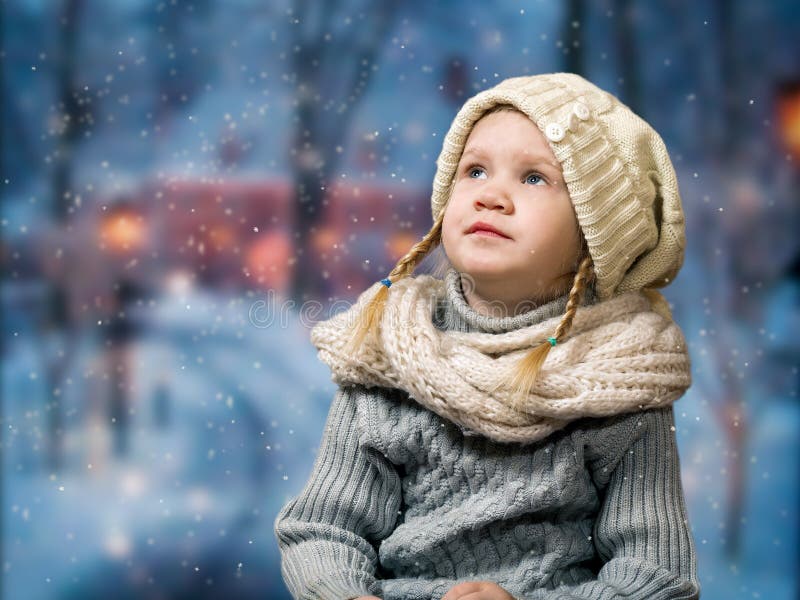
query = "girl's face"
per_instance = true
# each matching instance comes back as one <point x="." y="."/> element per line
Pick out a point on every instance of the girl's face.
<point x="509" y="179"/>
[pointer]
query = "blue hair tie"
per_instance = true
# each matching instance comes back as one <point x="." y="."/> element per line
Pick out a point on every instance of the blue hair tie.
<point x="552" y="341"/>
<point x="387" y="282"/>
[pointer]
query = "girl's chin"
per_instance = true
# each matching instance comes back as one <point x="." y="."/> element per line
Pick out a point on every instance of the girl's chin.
<point x="488" y="271"/>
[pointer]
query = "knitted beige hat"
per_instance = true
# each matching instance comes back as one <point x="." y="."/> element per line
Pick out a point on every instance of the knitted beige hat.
<point x="616" y="168"/>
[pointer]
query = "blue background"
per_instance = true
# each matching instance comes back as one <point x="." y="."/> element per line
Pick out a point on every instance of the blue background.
<point x="160" y="397"/>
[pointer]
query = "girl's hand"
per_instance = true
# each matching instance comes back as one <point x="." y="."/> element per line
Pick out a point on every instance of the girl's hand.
<point x="477" y="590"/>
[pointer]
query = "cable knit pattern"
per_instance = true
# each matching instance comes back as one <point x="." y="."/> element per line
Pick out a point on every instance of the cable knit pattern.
<point x="619" y="356"/>
<point x="403" y="503"/>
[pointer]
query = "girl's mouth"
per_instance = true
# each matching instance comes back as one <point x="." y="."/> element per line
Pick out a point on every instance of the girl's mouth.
<point x="487" y="233"/>
<point x="486" y="229"/>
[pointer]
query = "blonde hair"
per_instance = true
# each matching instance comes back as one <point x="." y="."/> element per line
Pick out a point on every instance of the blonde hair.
<point x="527" y="370"/>
<point x="373" y="311"/>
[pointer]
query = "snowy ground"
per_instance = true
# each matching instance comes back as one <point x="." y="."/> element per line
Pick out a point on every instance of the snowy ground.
<point x="198" y="496"/>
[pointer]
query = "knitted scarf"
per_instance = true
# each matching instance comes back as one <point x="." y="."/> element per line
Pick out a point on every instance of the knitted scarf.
<point x="619" y="356"/>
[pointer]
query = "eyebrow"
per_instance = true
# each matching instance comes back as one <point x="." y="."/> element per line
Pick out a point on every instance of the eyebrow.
<point x="532" y="158"/>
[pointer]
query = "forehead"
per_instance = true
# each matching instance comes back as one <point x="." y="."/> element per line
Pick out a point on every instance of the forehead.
<point x="521" y="139"/>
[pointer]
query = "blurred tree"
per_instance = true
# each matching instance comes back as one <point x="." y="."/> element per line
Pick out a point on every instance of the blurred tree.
<point x="121" y="332"/>
<point x="455" y="82"/>
<point x="333" y="47"/>
<point x="729" y="99"/>
<point x="20" y="161"/>
<point x="183" y="64"/>
<point x="627" y="53"/>
<point x="750" y="264"/>
<point x="573" y="37"/>
<point x="75" y="116"/>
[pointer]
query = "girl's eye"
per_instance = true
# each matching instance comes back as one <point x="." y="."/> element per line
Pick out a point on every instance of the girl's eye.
<point x="533" y="178"/>
<point x="476" y="172"/>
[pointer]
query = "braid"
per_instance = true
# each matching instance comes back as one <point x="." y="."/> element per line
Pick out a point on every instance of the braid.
<point x="582" y="279"/>
<point x="406" y="265"/>
<point x="373" y="311"/>
<point x="528" y="368"/>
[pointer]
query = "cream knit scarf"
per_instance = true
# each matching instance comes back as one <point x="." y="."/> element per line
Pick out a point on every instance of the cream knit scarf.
<point x="620" y="356"/>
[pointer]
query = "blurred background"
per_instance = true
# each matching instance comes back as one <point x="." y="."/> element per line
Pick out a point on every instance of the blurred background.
<point x="187" y="186"/>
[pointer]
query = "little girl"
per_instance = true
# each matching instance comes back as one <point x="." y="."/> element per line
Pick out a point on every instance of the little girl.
<point x="507" y="432"/>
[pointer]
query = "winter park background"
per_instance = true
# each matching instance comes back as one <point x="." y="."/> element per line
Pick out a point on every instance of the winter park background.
<point x="188" y="186"/>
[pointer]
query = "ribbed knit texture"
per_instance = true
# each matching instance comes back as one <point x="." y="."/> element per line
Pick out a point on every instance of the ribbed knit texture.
<point x="403" y="505"/>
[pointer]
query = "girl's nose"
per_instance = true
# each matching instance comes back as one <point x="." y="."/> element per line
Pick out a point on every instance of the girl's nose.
<point x="493" y="197"/>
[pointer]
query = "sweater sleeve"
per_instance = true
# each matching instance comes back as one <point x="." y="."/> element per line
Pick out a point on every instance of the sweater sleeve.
<point x="326" y="534"/>
<point x="641" y="533"/>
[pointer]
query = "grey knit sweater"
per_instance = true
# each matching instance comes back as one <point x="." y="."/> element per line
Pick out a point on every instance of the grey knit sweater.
<point x="404" y="504"/>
